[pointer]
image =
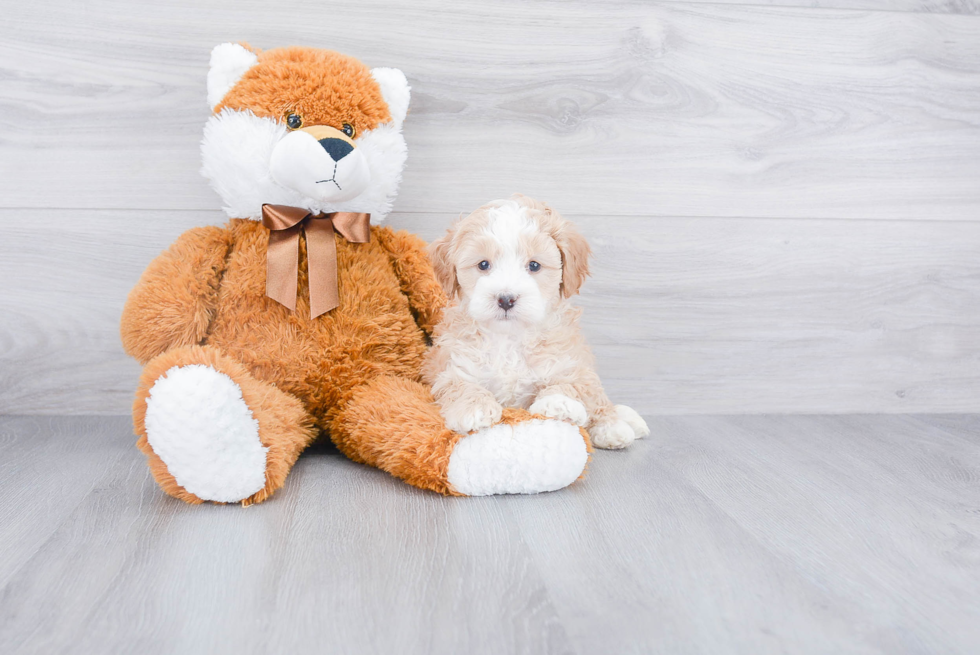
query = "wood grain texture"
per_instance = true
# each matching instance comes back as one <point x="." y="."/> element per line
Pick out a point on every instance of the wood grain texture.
<point x="717" y="154"/>
<point x="802" y="534"/>
<point x="683" y="314"/>
<point x="970" y="7"/>
<point x="607" y="108"/>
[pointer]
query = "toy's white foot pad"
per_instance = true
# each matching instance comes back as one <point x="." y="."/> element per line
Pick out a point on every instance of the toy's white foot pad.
<point x="199" y="425"/>
<point x="526" y="458"/>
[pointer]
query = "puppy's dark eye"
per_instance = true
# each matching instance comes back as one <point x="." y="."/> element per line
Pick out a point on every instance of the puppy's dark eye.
<point x="484" y="265"/>
<point x="294" y="121"/>
<point x="349" y="130"/>
<point x="534" y="267"/>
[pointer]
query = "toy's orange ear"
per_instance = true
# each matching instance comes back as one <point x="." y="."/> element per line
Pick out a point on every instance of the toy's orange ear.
<point x="441" y="254"/>
<point x="229" y="61"/>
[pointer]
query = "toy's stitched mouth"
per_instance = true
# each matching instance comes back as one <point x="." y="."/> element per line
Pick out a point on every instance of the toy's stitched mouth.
<point x="332" y="178"/>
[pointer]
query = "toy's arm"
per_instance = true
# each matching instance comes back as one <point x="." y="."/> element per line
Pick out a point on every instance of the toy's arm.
<point x="414" y="271"/>
<point x="173" y="302"/>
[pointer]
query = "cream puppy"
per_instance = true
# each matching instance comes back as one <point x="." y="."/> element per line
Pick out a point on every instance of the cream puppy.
<point x="512" y="339"/>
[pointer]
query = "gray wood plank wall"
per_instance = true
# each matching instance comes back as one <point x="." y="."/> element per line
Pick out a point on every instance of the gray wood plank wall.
<point x="784" y="197"/>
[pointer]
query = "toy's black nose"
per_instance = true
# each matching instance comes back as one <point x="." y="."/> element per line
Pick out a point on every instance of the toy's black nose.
<point x="336" y="148"/>
<point x="506" y="302"/>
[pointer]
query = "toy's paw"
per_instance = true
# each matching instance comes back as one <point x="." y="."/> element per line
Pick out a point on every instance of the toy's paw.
<point x="561" y="407"/>
<point x="472" y="413"/>
<point x="524" y="458"/>
<point x="634" y="420"/>
<point x="200" y="426"/>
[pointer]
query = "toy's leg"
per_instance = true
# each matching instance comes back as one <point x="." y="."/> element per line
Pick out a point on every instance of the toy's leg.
<point x="211" y="431"/>
<point x="393" y="424"/>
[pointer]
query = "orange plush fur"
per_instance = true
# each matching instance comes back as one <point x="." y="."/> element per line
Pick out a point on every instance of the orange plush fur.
<point x="298" y="373"/>
<point x="291" y="80"/>
<point x="353" y="373"/>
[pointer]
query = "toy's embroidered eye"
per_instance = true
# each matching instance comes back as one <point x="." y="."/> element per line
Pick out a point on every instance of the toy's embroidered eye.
<point x="534" y="267"/>
<point x="349" y="130"/>
<point x="294" y="121"/>
<point x="484" y="265"/>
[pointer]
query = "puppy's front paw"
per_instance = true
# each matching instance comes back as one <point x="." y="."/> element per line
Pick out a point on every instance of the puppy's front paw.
<point x="634" y="420"/>
<point x="612" y="433"/>
<point x="470" y="414"/>
<point x="561" y="407"/>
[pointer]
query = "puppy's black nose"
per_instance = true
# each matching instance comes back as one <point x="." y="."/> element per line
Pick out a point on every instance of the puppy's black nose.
<point x="336" y="148"/>
<point x="506" y="302"/>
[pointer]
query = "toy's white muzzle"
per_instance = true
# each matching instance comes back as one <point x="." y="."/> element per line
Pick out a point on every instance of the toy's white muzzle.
<point x="320" y="162"/>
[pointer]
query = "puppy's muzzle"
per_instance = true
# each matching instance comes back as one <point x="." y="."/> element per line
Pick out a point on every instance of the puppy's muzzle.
<point x="506" y="303"/>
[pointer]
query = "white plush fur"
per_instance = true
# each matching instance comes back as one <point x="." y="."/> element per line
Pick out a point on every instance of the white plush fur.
<point x="251" y="161"/>
<point x="229" y="61"/>
<point x="395" y="90"/>
<point x="533" y="355"/>
<point x="300" y="163"/>
<point x="237" y="153"/>
<point x="526" y="458"/>
<point x="199" y="425"/>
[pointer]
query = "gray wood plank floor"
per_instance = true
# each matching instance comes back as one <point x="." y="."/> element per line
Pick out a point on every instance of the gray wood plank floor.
<point x="844" y="534"/>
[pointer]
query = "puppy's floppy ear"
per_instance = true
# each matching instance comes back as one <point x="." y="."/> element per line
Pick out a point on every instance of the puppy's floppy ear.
<point x="441" y="254"/>
<point x="575" y="253"/>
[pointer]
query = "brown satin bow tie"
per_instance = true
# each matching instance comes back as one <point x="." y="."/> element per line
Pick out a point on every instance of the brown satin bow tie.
<point x="282" y="261"/>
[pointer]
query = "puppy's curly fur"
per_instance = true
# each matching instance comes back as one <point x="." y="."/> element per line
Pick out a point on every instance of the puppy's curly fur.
<point x="512" y="339"/>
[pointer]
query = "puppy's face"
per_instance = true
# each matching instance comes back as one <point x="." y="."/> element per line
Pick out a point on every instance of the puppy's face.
<point x="511" y="261"/>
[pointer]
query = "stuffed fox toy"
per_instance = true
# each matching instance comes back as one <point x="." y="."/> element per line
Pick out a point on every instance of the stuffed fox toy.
<point x="301" y="316"/>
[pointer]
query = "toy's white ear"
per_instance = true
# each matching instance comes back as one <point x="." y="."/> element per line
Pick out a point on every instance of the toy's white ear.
<point x="229" y="61"/>
<point x="396" y="92"/>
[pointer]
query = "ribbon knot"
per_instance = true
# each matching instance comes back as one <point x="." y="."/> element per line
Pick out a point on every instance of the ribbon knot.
<point x="282" y="262"/>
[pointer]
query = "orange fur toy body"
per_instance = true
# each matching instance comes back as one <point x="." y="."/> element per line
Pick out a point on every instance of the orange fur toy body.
<point x="235" y="385"/>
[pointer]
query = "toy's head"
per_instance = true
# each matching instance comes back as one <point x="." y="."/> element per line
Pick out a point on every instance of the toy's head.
<point x="303" y="127"/>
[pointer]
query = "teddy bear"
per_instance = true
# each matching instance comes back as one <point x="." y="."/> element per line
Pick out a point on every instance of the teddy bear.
<point x="302" y="316"/>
